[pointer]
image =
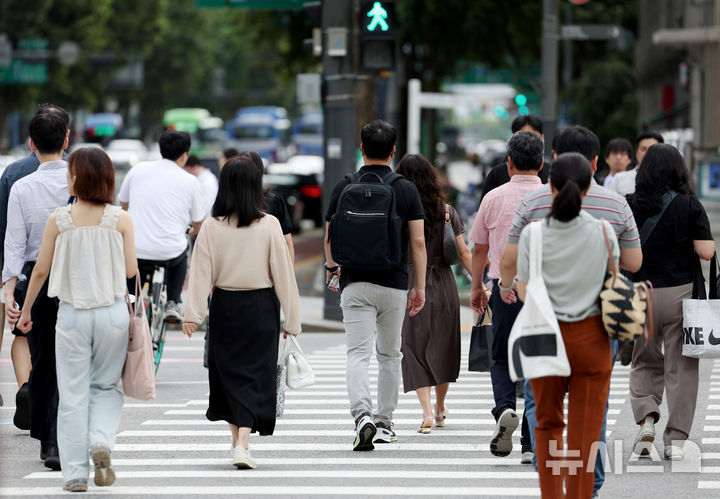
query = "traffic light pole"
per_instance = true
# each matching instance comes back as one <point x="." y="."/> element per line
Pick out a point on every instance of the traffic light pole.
<point x="338" y="99"/>
<point x="550" y="36"/>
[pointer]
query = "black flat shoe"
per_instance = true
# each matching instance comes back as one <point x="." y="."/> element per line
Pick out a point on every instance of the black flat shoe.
<point x="44" y="446"/>
<point x="22" y="408"/>
<point x="52" y="460"/>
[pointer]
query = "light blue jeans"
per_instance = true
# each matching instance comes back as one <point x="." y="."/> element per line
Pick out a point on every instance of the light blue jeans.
<point x="91" y="345"/>
<point x="367" y="307"/>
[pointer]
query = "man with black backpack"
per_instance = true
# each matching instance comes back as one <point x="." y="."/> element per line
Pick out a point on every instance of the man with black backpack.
<point x="372" y="217"/>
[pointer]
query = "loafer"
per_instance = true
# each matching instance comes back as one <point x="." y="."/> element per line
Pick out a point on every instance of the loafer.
<point x="52" y="457"/>
<point x="44" y="446"/>
<point x="22" y="408"/>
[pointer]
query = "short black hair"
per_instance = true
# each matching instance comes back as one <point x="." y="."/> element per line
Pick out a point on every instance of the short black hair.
<point x="650" y="134"/>
<point x="619" y="144"/>
<point x="230" y="152"/>
<point x="174" y="144"/>
<point x="570" y="175"/>
<point x="239" y="192"/>
<point x="48" y="131"/>
<point x="378" y="139"/>
<point x="530" y="120"/>
<point x="525" y="149"/>
<point x="193" y="161"/>
<point x="579" y="139"/>
<point x="52" y="108"/>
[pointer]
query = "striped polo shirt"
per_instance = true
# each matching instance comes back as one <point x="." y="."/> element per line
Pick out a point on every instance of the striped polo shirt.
<point x="599" y="202"/>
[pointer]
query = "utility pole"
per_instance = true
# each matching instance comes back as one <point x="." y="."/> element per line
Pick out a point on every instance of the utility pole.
<point x="550" y="35"/>
<point x="338" y="100"/>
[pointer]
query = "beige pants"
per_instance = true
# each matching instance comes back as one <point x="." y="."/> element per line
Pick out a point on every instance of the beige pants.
<point x="651" y="371"/>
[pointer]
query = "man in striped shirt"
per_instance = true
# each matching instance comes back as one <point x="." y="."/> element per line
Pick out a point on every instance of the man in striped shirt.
<point x="599" y="202"/>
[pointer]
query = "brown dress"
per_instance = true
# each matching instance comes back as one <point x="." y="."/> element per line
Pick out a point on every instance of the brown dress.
<point x="431" y="339"/>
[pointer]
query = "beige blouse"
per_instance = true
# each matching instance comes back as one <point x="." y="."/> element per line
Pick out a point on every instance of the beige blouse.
<point x="242" y="258"/>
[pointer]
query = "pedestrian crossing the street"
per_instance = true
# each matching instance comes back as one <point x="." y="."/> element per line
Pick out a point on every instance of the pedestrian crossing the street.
<point x="178" y="452"/>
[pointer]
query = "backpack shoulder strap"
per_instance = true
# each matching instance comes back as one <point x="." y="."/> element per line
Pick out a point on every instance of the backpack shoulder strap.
<point x="651" y="222"/>
<point x="391" y="177"/>
<point x="353" y="178"/>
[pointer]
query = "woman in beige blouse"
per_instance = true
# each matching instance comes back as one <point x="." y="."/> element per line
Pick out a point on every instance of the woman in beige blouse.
<point x="240" y="254"/>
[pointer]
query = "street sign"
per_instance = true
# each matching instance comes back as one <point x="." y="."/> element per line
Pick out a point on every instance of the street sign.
<point x="590" y="31"/>
<point x="308" y="88"/>
<point x="24" y="73"/>
<point x="337" y="42"/>
<point x="253" y="4"/>
<point x="6" y="51"/>
<point x="68" y="53"/>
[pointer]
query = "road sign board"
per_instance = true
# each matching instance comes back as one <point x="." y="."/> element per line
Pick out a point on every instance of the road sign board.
<point x="68" y="53"/>
<point x="579" y="2"/>
<point x="32" y="43"/>
<point x="253" y="4"/>
<point x="6" y="51"/>
<point x="308" y="88"/>
<point x="24" y="73"/>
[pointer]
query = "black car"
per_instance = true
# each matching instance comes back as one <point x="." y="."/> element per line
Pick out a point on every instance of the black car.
<point x="299" y="181"/>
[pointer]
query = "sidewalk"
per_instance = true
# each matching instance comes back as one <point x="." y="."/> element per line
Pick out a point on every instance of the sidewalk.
<point x="312" y="317"/>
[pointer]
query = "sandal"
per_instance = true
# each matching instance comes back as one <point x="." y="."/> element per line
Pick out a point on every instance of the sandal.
<point x="440" y="419"/>
<point x="425" y="427"/>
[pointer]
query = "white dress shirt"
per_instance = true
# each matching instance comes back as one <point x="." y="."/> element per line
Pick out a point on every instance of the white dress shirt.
<point x="32" y="200"/>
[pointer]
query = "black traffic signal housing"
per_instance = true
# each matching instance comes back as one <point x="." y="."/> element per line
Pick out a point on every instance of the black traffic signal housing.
<point x="378" y="30"/>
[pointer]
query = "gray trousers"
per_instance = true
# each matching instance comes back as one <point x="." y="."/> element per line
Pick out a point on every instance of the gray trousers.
<point x="366" y="307"/>
<point x="90" y="346"/>
<point x="652" y="371"/>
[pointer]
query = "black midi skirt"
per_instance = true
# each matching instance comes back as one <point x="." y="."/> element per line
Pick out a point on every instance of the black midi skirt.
<point x="243" y="352"/>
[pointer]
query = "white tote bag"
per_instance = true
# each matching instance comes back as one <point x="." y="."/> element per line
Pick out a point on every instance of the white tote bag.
<point x="535" y="346"/>
<point x="700" y="320"/>
<point x="299" y="372"/>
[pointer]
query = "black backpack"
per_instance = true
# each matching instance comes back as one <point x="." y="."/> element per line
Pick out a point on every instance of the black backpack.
<point x="366" y="231"/>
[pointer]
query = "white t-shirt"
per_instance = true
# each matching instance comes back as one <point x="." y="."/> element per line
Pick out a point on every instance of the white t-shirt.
<point x="209" y="184"/>
<point x="164" y="199"/>
<point x="624" y="182"/>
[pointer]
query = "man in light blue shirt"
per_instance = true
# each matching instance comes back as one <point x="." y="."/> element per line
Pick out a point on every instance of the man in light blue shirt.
<point x="32" y="200"/>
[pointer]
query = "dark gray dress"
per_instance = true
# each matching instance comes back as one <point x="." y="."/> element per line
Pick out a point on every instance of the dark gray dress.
<point x="431" y="339"/>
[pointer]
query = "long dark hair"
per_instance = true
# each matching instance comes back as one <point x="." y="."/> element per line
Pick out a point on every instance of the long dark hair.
<point x="239" y="192"/>
<point x="570" y="175"/>
<point x="663" y="168"/>
<point x="418" y="170"/>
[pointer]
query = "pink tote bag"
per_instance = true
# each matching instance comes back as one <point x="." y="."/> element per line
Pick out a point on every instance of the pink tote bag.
<point x="138" y="376"/>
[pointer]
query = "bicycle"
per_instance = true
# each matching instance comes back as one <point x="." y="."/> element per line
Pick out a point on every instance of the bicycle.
<point x="155" y="298"/>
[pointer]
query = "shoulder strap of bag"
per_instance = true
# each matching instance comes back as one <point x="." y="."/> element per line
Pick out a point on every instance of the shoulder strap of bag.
<point x="535" y="249"/>
<point x="447" y="213"/>
<point x="651" y="222"/>
<point x="713" y="277"/>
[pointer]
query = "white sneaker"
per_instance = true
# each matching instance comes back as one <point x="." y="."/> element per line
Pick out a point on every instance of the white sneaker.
<point x="501" y="443"/>
<point x="242" y="459"/>
<point x="674" y="453"/>
<point x="385" y="434"/>
<point x="364" y="433"/>
<point x="645" y="437"/>
<point x="173" y="312"/>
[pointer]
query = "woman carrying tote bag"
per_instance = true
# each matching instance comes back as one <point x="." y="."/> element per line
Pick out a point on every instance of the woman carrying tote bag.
<point x="680" y="236"/>
<point x="92" y="249"/>
<point x="574" y="263"/>
<point x="241" y="252"/>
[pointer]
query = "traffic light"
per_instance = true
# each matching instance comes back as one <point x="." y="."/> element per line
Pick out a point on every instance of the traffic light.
<point x="378" y="28"/>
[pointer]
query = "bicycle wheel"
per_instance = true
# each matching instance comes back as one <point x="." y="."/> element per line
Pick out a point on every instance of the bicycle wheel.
<point x="159" y="345"/>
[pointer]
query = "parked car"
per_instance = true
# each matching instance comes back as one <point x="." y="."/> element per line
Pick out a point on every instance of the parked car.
<point x="299" y="181"/>
<point x="126" y="153"/>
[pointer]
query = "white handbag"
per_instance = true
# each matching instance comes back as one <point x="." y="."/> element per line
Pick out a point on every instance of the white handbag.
<point x="299" y="372"/>
<point x="701" y="317"/>
<point x="535" y="346"/>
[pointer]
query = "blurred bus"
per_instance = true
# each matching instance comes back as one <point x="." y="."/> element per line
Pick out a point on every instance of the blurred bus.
<point x="101" y="128"/>
<point x="307" y="134"/>
<point x="206" y="131"/>
<point x="263" y="129"/>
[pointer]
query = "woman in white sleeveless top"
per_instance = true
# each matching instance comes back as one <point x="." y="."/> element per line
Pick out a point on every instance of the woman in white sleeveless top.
<point x="92" y="250"/>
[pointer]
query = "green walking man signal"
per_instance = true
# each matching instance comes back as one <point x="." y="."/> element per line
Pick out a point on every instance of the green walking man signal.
<point x="378" y="15"/>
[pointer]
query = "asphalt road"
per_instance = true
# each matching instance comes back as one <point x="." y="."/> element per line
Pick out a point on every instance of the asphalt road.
<point x="167" y="447"/>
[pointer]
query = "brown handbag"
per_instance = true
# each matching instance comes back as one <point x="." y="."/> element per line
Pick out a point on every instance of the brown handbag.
<point x="138" y="376"/>
<point x="626" y="306"/>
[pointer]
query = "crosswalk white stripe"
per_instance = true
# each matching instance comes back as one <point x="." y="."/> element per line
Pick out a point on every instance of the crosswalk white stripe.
<point x="347" y="491"/>
<point x="298" y="446"/>
<point x="319" y="422"/>
<point x="451" y="401"/>
<point x="311" y="473"/>
<point x="320" y="411"/>
<point x="317" y="461"/>
<point x="295" y="433"/>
